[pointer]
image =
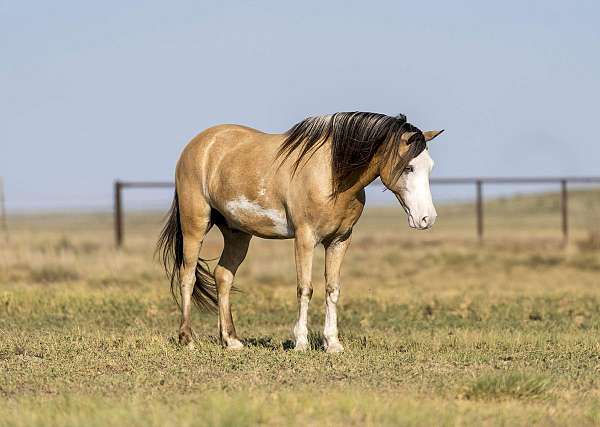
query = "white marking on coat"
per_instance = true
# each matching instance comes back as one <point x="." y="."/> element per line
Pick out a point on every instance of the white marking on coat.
<point x="262" y="190"/>
<point x="242" y="206"/>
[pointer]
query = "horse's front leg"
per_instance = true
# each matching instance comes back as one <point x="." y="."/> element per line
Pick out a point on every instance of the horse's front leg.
<point x="304" y="249"/>
<point x="334" y="255"/>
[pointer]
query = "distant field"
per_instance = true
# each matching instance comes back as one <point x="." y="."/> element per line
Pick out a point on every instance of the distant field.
<point x="438" y="329"/>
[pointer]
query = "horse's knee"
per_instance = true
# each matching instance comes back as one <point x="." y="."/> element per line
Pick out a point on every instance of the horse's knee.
<point x="224" y="279"/>
<point x="332" y="291"/>
<point x="305" y="290"/>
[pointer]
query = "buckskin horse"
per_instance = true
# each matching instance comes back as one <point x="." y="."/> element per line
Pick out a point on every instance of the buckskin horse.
<point x="306" y="184"/>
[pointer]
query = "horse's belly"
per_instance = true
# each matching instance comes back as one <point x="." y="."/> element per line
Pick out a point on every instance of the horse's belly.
<point x="253" y="218"/>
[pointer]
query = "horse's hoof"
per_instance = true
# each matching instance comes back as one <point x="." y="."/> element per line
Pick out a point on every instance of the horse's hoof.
<point x="301" y="346"/>
<point x="185" y="339"/>
<point x="234" y="344"/>
<point x="334" y="347"/>
<point x="190" y="345"/>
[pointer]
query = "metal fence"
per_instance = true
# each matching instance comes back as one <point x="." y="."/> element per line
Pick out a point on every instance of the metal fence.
<point x="563" y="182"/>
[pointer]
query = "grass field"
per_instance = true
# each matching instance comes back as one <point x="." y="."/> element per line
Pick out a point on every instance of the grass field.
<point x="438" y="329"/>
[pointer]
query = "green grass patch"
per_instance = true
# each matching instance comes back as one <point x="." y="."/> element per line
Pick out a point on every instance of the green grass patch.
<point x="52" y="273"/>
<point x="437" y="328"/>
<point x="508" y="385"/>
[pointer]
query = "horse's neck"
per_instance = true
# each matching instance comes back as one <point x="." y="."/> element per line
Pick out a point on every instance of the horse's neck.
<point x="371" y="173"/>
<point x="365" y="177"/>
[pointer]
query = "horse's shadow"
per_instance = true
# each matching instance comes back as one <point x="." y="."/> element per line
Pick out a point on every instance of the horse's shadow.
<point x="315" y="341"/>
<point x="262" y="342"/>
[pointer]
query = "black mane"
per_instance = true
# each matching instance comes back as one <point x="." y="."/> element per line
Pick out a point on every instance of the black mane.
<point x="355" y="138"/>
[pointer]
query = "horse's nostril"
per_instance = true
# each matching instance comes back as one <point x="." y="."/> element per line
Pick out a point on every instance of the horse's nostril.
<point x="424" y="220"/>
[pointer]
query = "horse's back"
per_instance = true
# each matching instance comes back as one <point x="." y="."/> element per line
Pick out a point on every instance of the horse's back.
<point x="205" y="152"/>
<point x="224" y="136"/>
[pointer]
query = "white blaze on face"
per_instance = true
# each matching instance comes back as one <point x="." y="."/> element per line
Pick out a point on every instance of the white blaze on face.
<point x="415" y="194"/>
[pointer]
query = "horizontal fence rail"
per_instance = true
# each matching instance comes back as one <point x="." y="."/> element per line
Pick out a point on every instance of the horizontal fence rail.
<point x="478" y="182"/>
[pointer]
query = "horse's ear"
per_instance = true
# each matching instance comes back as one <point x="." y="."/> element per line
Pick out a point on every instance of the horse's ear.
<point x="407" y="137"/>
<point x="430" y="134"/>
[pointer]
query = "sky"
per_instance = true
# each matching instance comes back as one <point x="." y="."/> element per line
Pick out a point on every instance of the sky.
<point x="91" y="92"/>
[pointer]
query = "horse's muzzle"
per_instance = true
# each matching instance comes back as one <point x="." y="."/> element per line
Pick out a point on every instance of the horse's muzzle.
<point x="421" y="222"/>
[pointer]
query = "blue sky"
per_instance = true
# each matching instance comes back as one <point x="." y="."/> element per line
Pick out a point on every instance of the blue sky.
<point x="93" y="91"/>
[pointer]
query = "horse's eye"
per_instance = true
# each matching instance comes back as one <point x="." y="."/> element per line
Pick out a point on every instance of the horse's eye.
<point x="409" y="169"/>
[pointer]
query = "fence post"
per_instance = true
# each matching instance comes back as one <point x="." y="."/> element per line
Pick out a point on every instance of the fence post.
<point x="479" y="207"/>
<point x="118" y="214"/>
<point x="564" y="209"/>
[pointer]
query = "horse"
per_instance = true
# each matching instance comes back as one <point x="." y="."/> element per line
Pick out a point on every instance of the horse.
<point x="306" y="184"/>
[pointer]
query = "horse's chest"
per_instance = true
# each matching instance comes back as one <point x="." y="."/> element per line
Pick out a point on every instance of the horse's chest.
<point x="255" y="218"/>
<point x="341" y="218"/>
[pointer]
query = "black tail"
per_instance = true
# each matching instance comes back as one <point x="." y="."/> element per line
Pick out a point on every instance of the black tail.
<point x="170" y="247"/>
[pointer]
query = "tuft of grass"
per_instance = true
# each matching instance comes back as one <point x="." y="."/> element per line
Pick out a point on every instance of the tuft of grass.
<point x="591" y="243"/>
<point x="53" y="273"/>
<point x="586" y="262"/>
<point x="66" y="245"/>
<point x="541" y="261"/>
<point x="507" y="385"/>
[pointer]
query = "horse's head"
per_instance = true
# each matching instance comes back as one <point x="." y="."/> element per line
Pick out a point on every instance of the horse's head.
<point x="406" y="174"/>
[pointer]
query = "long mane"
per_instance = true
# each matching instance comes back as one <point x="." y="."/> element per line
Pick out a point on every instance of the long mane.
<point x="355" y="138"/>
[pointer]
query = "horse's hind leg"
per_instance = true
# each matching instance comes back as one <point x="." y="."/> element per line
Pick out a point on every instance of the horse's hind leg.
<point x="234" y="251"/>
<point x="195" y="223"/>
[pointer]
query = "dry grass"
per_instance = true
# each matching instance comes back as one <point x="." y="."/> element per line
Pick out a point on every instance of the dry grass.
<point x="438" y="328"/>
